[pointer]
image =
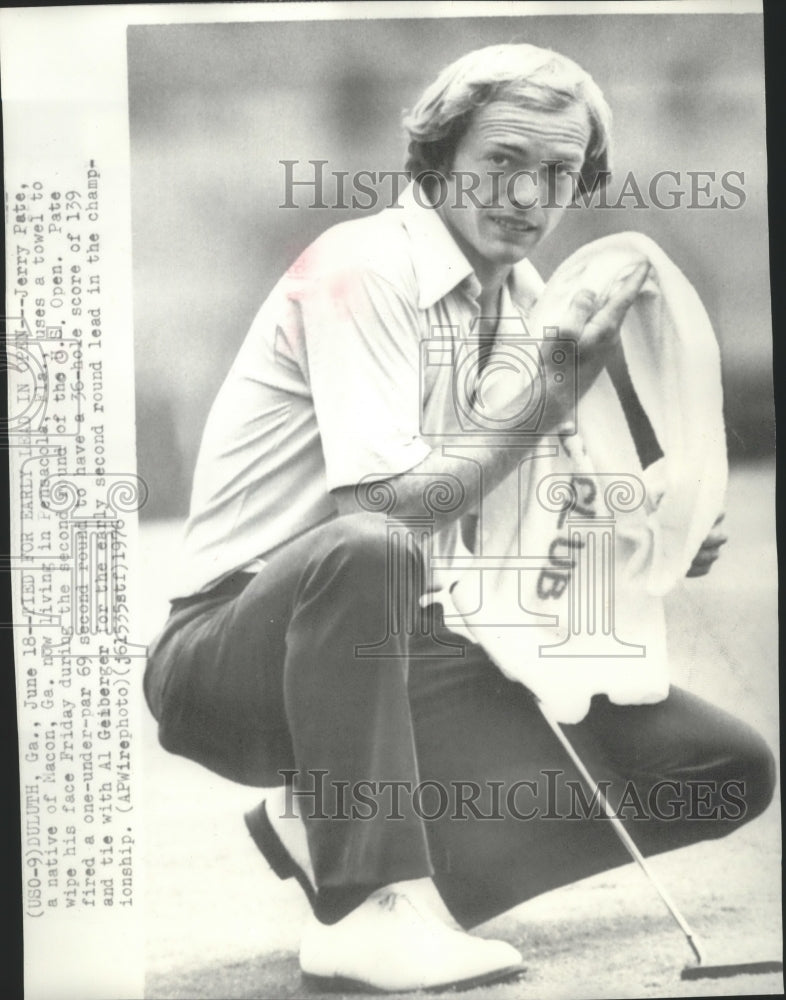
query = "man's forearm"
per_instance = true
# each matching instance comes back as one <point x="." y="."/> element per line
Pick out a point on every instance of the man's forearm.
<point x="445" y="486"/>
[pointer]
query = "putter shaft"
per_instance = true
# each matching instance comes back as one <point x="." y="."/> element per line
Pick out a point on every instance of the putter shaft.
<point x="626" y="839"/>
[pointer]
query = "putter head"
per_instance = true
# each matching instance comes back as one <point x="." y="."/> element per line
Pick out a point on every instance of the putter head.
<point x="730" y="969"/>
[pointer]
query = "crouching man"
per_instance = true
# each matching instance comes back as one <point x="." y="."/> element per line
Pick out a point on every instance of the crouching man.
<point x="412" y="794"/>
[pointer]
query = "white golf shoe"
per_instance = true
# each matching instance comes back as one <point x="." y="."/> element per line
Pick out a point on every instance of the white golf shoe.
<point x="394" y="941"/>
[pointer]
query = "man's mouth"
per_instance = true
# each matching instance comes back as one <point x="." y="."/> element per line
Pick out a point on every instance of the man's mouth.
<point x="513" y="225"/>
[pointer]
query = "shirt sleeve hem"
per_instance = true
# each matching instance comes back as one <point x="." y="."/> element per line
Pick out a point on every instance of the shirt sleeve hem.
<point x="404" y="459"/>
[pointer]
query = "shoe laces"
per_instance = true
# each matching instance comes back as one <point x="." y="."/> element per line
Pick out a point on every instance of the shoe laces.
<point x="389" y="899"/>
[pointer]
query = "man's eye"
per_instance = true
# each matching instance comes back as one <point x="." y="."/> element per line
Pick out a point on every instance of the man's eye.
<point x="499" y="159"/>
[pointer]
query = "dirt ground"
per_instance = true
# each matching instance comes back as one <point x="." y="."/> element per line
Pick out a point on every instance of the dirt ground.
<point x="220" y="925"/>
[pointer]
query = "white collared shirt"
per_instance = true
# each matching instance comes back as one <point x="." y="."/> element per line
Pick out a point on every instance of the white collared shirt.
<point x="329" y="386"/>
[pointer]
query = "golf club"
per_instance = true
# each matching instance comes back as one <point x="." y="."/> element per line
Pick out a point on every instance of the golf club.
<point x="701" y="970"/>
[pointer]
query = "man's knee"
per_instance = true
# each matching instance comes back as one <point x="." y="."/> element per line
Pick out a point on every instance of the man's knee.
<point x="367" y="540"/>
<point x="756" y="784"/>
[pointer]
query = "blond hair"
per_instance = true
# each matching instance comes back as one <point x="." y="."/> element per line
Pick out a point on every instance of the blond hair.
<point x="523" y="74"/>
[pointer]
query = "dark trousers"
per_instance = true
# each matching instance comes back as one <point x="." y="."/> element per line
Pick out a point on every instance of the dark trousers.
<point x="411" y="753"/>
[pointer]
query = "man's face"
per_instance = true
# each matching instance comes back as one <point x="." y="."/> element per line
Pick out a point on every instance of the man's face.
<point x="508" y="147"/>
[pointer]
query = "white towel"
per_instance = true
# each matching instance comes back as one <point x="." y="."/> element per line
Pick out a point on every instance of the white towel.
<point x="548" y="625"/>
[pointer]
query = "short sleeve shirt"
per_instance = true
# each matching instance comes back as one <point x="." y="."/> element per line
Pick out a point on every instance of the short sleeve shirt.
<point x="329" y="386"/>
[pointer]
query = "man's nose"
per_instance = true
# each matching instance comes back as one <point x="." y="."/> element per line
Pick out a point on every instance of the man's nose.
<point x="524" y="194"/>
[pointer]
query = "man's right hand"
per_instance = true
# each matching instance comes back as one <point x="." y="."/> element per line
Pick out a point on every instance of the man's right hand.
<point x="594" y="323"/>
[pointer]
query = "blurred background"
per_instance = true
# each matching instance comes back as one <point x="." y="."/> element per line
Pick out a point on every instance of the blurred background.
<point x="213" y="108"/>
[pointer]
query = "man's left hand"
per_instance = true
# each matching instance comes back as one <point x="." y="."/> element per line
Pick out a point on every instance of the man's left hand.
<point x="709" y="551"/>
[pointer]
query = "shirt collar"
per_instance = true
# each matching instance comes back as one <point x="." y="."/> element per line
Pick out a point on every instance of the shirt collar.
<point x="439" y="264"/>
